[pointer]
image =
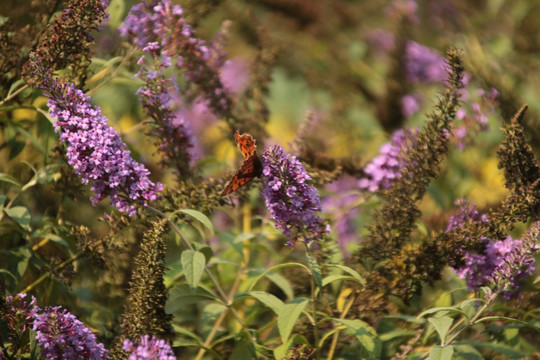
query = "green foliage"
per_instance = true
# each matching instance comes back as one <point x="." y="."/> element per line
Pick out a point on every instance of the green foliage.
<point x="211" y="275"/>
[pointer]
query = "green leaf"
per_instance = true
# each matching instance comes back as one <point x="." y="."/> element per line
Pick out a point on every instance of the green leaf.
<point x="442" y="325"/>
<point x="281" y="351"/>
<point x="282" y="283"/>
<point x="501" y="349"/>
<point x="446" y="309"/>
<point x="467" y="352"/>
<point x="15" y="145"/>
<point x="20" y="215"/>
<point x="349" y="271"/>
<point x="182" y="295"/>
<point x="366" y="335"/>
<point x="32" y="139"/>
<point x="200" y="217"/>
<point x="269" y="300"/>
<point x="489" y="318"/>
<point x="315" y="271"/>
<point x="274" y="268"/>
<point x="12" y="280"/>
<point x="186" y="332"/>
<point x="329" y="279"/>
<point x="441" y="352"/>
<point x="193" y="263"/>
<point x="7" y="178"/>
<point x="288" y="315"/>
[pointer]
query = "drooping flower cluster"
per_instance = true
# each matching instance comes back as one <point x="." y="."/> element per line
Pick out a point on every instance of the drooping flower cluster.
<point x="96" y="151"/>
<point x="149" y="349"/>
<point x="173" y="135"/>
<point x="384" y="168"/>
<point x="162" y="22"/>
<point x="61" y="335"/>
<point x="292" y="202"/>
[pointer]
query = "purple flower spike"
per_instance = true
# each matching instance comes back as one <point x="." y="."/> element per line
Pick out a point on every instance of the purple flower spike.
<point x="292" y="203"/>
<point x="149" y="349"/>
<point x="62" y="336"/>
<point x="383" y="169"/>
<point x="96" y="151"/>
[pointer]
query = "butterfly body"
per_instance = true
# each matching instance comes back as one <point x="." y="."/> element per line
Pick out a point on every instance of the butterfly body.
<point x="252" y="166"/>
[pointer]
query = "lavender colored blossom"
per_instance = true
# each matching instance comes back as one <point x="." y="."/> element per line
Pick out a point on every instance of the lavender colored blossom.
<point x="21" y="312"/>
<point x="383" y="169"/>
<point x="174" y="137"/>
<point x="342" y="205"/>
<point x="96" y="151"/>
<point x="403" y="8"/>
<point x="504" y="263"/>
<point x="162" y="22"/>
<point x="474" y="117"/>
<point x="410" y="104"/>
<point x="61" y="335"/>
<point x="149" y="349"/>
<point x="467" y="214"/>
<point x="517" y="261"/>
<point x="292" y="203"/>
<point x="424" y="65"/>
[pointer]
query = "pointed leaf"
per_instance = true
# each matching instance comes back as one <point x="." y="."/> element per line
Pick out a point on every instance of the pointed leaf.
<point x="349" y="271"/>
<point x="315" y="271"/>
<point x="199" y="216"/>
<point x="269" y="300"/>
<point x="182" y="295"/>
<point x="288" y="315"/>
<point x="366" y="335"/>
<point x="20" y="215"/>
<point x="193" y="263"/>
<point x="9" y="179"/>
<point x="441" y="352"/>
<point x="442" y="325"/>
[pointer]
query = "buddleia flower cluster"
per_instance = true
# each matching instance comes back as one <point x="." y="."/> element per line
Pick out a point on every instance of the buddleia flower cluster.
<point x="95" y="150"/>
<point x="386" y="167"/>
<point x="148" y="348"/>
<point x="162" y="22"/>
<point x="174" y="137"/>
<point x="59" y="334"/>
<point x="292" y="202"/>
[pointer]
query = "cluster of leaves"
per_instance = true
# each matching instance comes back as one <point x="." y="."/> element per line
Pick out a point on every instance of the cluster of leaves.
<point x="205" y="276"/>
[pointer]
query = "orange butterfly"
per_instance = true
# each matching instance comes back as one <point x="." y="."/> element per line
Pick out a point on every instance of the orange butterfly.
<point x="252" y="166"/>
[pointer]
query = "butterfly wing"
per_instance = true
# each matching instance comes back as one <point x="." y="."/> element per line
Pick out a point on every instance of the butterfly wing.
<point x="246" y="144"/>
<point x="250" y="169"/>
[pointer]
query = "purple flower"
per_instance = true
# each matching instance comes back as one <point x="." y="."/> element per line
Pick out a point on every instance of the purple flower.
<point x="410" y="104"/>
<point x="343" y="205"/>
<point x="62" y="336"/>
<point x="21" y="313"/>
<point x="161" y="22"/>
<point x="149" y="349"/>
<point x="383" y="169"/>
<point x="172" y="133"/>
<point x="515" y="261"/>
<point x="503" y="263"/>
<point x="292" y="203"/>
<point x="467" y="214"/>
<point x="424" y="65"/>
<point x="96" y="151"/>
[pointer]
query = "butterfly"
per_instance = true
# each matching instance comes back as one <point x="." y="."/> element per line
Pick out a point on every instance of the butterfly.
<point x="252" y="166"/>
